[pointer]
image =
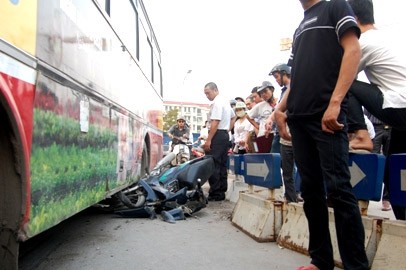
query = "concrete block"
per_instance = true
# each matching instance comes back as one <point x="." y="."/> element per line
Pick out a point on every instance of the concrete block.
<point x="294" y="233"/>
<point x="234" y="189"/>
<point x="391" y="248"/>
<point x="258" y="216"/>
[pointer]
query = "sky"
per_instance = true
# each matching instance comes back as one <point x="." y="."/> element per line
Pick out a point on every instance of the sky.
<point x="234" y="43"/>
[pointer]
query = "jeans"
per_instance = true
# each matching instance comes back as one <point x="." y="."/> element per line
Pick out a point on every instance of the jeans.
<point x="381" y="146"/>
<point x="288" y="169"/>
<point x="369" y="96"/>
<point x="276" y="145"/>
<point x="322" y="161"/>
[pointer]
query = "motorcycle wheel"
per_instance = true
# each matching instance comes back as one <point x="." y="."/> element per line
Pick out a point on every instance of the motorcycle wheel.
<point x="132" y="200"/>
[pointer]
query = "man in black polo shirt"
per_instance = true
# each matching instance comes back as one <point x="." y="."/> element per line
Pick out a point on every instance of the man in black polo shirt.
<point x="324" y="60"/>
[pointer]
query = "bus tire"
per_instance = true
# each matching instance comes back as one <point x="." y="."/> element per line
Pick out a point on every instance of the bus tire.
<point x="11" y="193"/>
<point x="144" y="161"/>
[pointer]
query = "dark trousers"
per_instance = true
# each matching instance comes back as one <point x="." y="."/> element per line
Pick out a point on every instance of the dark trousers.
<point x="276" y="145"/>
<point x="322" y="161"/>
<point x="220" y="144"/>
<point x="381" y="146"/>
<point x="397" y="145"/>
<point x="288" y="172"/>
<point x="369" y="96"/>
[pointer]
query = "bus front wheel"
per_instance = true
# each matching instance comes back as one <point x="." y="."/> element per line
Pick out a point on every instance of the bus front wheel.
<point x="10" y="194"/>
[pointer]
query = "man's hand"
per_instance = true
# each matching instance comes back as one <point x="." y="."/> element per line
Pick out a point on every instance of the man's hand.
<point x="329" y="121"/>
<point x="281" y="121"/>
<point x="207" y="146"/>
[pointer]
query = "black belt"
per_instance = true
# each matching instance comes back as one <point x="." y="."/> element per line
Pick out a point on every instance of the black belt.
<point x="381" y="125"/>
<point x="221" y="130"/>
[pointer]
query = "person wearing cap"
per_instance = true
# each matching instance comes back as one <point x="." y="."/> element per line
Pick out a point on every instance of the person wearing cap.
<point x="221" y="118"/>
<point x="179" y="132"/>
<point x="281" y="73"/>
<point x="239" y="99"/>
<point x="324" y="59"/>
<point x="241" y="129"/>
<point x="255" y="95"/>
<point x="262" y="110"/>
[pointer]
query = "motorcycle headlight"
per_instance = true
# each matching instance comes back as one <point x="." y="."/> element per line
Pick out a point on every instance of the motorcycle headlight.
<point x="172" y="186"/>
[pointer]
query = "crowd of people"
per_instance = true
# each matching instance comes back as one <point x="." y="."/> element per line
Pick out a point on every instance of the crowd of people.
<point x="320" y="117"/>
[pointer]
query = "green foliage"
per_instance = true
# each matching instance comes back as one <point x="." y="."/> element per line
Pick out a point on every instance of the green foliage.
<point x="50" y="211"/>
<point x="170" y="119"/>
<point x="55" y="167"/>
<point x="70" y="170"/>
<point x="52" y="128"/>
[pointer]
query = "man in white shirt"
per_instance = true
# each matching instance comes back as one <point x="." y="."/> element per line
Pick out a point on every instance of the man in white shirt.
<point x="220" y="119"/>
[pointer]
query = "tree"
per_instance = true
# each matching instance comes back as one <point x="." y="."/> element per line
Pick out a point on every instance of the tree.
<point x="170" y="119"/>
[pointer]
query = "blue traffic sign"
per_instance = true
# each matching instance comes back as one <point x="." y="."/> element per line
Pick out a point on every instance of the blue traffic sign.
<point x="263" y="170"/>
<point x="367" y="172"/>
<point x="366" y="175"/>
<point x="397" y="182"/>
<point x="236" y="164"/>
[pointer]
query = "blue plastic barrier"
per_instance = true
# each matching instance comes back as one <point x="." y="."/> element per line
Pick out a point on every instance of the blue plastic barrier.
<point x="367" y="172"/>
<point x="263" y="170"/>
<point x="397" y="179"/>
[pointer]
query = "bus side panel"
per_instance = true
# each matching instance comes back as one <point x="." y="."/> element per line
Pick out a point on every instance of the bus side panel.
<point x="92" y="109"/>
<point x="75" y="38"/>
<point x="82" y="151"/>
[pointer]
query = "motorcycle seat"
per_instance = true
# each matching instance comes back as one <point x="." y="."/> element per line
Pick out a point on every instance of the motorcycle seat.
<point x="201" y="168"/>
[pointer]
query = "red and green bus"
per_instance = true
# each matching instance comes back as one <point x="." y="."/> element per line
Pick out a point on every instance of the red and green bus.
<point x="80" y="109"/>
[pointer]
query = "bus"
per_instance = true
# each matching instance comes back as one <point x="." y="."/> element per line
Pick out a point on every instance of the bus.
<point x="80" y="109"/>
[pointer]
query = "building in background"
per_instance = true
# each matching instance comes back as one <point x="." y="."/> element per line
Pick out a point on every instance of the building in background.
<point x="195" y="113"/>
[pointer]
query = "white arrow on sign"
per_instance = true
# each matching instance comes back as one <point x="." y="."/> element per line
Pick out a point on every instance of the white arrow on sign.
<point x="403" y="180"/>
<point x="257" y="169"/>
<point x="356" y="174"/>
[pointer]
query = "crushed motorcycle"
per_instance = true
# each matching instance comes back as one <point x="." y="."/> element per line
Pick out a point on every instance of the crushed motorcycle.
<point x="172" y="191"/>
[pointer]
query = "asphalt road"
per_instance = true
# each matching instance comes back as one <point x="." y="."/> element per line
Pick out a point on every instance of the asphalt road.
<point x="208" y="240"/>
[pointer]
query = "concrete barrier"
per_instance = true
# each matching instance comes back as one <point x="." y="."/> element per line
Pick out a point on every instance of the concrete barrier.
<point x="258" y="215"/>
<point x="384" y="239"/>
<point x="391" y="252"/>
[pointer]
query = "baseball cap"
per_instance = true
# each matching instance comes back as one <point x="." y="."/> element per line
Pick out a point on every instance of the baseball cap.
<point x="240" y="105"/>
<point x="264" y="85"/>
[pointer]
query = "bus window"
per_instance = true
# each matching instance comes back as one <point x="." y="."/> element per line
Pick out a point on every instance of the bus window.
<point x="124" y="18"/>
